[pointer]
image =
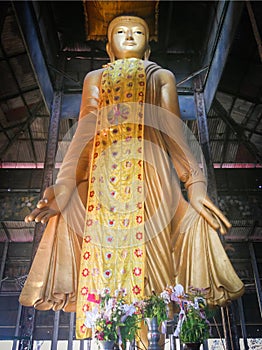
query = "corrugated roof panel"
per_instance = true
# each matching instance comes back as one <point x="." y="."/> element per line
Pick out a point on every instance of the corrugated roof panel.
<point x="40" y="149"/>
<point x="255" y="119"/>
<point x="33" y="99"/>
<point x="8" y="85"/>
<point x="232" y="148"/>
<point x="19" y="231"/>
<point x="23" y="71"/>
<point x="20" y="151"/>
<point x="11" y="39"/>
<point x="216" y="150"/>
<point x="225" y="99"/>
<point x="240" y="110"/>
<point x="39" y="128"/>
<point x="216" y="129"/>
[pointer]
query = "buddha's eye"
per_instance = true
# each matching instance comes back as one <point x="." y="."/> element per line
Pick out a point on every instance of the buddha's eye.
<point x="139" y="32"/>
<point x="120" y="31"/>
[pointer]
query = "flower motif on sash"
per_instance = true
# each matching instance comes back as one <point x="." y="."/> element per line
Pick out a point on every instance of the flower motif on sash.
<point x="85" y="307"/>
<point x="126" y="222"/>
<point x="89" y="222"/>
<point x="109" y="239"/>
<point x="139" y="235"/>
<point x="84" y="291"/>
<point x="108" y="273"/>
<point x="86" y="255"/>
<point x="111" y="223"/>
<point x="139" y="219"/>
<point x="137" y="271"/>
<point x="83" y="328"/>
<point x="108" y="255"/>
<point x="87" y="239"/>
<point x="85" y="272"/>
<point x="136" y="289"/>
<point x="90" y="207"/>
<point x="138" y="252"/>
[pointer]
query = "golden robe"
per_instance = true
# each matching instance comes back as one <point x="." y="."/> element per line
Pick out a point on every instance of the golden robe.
<point x="180" y="246"/>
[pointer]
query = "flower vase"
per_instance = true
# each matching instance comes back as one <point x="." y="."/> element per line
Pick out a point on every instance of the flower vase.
<point x="192" y="346"/>
<point x="106" y="344"/>
<point x="153" y="334"/>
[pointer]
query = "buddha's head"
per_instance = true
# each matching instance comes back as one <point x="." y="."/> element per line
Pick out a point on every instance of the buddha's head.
<point x="128" y="37"/>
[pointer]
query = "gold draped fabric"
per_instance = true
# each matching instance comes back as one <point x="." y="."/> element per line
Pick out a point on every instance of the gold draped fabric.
<point x="179" y="244"/>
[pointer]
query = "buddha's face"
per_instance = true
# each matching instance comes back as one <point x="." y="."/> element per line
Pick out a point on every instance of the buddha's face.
<point x="129" y="39"/>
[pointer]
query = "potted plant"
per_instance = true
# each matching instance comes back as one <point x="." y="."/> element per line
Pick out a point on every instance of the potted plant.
<point x="155" y="306"/>
<point x="113" y="319"/>
<point x="193" y="326"/>
<point x="155" y="311"/>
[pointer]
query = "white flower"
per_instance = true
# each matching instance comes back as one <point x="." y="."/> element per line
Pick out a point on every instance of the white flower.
<point x="129" y="310"/>
<point x="178" y="292"/>
<point x="165" y="295"/>
<point x="179" y="323"/>
<point x="91" y="317"/>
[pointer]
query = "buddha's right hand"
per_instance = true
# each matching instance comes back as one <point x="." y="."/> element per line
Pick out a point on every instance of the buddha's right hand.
<point x="53" y="202"/>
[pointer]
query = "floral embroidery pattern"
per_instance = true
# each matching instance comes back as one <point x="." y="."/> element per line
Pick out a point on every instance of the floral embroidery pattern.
<point x="136" y="289"/>
<point x="84" y="291"/>
<point x="86" y="255"/>
<point x="85" y="272"/>
<point x="137" y="271"/>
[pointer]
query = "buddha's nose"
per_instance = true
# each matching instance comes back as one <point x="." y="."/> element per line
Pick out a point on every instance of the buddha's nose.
<point x="129" y="35"/>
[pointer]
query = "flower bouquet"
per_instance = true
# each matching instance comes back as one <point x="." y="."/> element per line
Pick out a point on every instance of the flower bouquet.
<point x="113" y="319"/>
<point x="193" y="325"/>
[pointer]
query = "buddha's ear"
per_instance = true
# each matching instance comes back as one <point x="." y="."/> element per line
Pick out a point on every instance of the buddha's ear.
<point x="110" y="52"/>
<point x="147" y="53"/>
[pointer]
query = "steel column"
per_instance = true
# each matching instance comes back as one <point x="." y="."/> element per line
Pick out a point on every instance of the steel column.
<point x="204" y="138"/>
<point x="255" y="28"/>
<point x="71" y="331"/>
<point x="232" y="326"/>
<point x="242" y="322"/>
<point x="3" y="260"/>
<point x="225" y="328"/>
<point x="28" y="315"/>
<point x="55" y="330"/>
<point x="228" y="326"/>
<point x="18" y="318"/>
<point x="232" y="13"/>
<point x="28" y="28"/>
<point x="256" y="275"/>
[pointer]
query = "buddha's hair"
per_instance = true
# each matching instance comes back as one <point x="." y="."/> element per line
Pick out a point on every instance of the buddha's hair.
<point x="126" y="18"/>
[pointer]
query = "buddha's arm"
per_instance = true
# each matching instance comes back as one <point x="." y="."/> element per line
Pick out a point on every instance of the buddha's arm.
<point x="183" y="160"/>
<point x="75" y="164"/>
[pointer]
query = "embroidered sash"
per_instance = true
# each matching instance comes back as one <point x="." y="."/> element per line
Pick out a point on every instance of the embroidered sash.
<point x="113" y="252"/>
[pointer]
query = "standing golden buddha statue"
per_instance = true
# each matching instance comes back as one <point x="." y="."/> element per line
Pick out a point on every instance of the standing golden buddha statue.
<point x="116" y="214"/>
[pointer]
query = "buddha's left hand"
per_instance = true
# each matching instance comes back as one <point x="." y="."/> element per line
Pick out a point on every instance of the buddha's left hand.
<point x="200" y="201"/>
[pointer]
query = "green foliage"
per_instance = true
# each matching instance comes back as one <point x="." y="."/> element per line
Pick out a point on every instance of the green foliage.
<point x="129" y="328"/>
<point x="195" y="328"/>
<point x="116" y="317"/>
<point x="155" y="306"/>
